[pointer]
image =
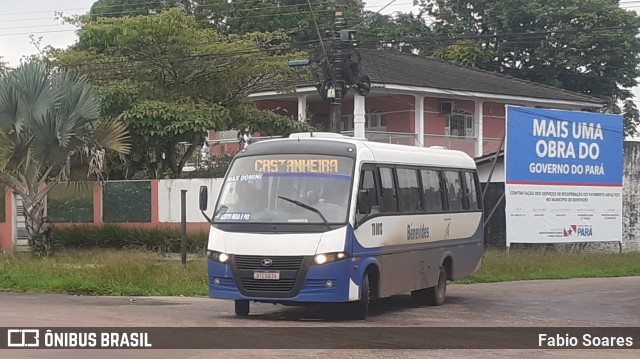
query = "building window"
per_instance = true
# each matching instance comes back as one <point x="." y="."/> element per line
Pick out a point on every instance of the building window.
<point x="373" y="121"/>
<point x="460" y="124"/>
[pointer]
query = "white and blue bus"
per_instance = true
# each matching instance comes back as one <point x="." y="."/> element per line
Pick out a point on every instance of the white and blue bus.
<point x="323" y="218"/>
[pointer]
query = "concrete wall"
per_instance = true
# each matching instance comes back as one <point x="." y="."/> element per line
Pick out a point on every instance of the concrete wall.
<point x="631" y="196"/>
<point x="6" y="227"/>
<point x="169" y="194"/>
<point x="165" y="208"/>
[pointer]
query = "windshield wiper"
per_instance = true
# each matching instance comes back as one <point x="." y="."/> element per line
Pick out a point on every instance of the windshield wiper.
<point x="315" y="210"/>
<point x="221" y="210"/>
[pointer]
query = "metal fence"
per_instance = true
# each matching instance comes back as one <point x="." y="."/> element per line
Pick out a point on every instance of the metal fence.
<point x="400" y="138"/>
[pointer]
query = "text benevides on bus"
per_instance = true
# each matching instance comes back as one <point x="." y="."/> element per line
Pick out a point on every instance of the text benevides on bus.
<point x="298" y="166"/>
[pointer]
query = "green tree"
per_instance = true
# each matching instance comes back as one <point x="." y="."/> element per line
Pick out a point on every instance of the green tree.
<point x="631" y="119"/>
<point x="243" y="16"/>
<point x="292" y="16"/>
<point x="586" y="46"/>
<point x="171" y="80"/>
<point x="401" y="32"/>
<point x="465" y="53"/>
<point x="50" y="129"/>
<point x="209" y="10"/>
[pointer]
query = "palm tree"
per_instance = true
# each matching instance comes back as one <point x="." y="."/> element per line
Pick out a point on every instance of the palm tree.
<point x="49" y="123"/>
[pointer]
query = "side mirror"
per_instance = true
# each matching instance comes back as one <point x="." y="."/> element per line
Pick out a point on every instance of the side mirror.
<point x="364" y="207"/>
<point x="204" y="198"/>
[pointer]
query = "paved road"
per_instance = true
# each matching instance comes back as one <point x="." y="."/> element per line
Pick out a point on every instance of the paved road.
<point x="577" y="302"/>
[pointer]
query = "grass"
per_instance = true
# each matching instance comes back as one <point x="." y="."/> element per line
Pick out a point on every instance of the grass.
<point x="104" y="272"/>
<point x="109" y="236"/>
<point x="111" y="272"/>
<point x="529" y="265"/>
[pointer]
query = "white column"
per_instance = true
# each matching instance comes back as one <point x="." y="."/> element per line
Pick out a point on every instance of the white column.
<point x="302" y="107"/>
<point x="419" y="119"/>
<point x="358" y="116"/>
<point x="479" y="122"/>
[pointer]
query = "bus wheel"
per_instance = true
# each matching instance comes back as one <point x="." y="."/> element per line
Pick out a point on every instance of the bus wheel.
<point x="360" y="308"/>
<point x="242" y="307"/>
<point x="434" y="295"/>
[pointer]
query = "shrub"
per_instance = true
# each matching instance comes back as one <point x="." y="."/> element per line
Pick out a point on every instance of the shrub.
<point x="166" y="240"/>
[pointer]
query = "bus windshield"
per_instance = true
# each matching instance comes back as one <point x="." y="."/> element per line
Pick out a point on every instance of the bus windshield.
<point x="286" y="188"/>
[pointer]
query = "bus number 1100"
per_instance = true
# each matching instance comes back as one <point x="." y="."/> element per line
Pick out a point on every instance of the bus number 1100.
<point x="376" y="229"/>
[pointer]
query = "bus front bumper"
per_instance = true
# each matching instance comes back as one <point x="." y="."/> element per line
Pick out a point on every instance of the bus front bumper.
<point x="329" y="282"/>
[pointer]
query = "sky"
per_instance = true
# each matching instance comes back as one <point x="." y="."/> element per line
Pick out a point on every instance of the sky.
<point x="19" y="19"/>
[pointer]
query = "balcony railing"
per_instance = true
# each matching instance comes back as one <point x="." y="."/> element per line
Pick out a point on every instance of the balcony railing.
<point x="465" y="144"/>
<point x="400" y="138"/>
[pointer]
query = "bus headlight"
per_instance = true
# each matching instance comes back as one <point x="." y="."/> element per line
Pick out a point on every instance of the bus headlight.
<point x="219" y="257"/>
<point x="329" y="257"/>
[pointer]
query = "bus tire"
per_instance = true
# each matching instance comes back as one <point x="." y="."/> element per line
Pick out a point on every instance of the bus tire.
<point x="435" y="295"/>
<point x="360" y="309"/>
<point x="242" y="307"/>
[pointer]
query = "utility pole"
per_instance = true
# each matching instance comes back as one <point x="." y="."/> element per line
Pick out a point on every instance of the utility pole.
<point x="337" y="70"/>
<point x="337" y="60"/>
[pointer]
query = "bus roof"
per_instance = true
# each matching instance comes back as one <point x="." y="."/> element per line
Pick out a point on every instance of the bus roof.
<point x="425" y="156"/>
<point x="389" y="153"/>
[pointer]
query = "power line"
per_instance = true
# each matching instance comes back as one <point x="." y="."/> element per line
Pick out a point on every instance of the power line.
<point x="131" y="5"/>
<point x="426" y="17"/>
<point x="302" y="45"/>
<point x="29" y="27"/>
<point x="219" y="54"/>
<point x="29" y="20"/>
<point x="267" y="5"/>
<point x="223" y="54"/>
<point x="35" y="32"/>
<point x="433" y="39"/>
<point x="373" y="14"/>
<point x="227" y="18"/>
<point x="518" y="9"/>
<point x="429" y="40"/>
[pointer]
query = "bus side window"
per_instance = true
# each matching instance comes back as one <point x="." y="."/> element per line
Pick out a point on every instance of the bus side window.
<point x="389" y="195"/>
<point x="471" y="192"/>
<point x="431" y="194"/>
<point x="409" y="190"/>
<point x="368" y="182"/>
<point x="454" y="190"/>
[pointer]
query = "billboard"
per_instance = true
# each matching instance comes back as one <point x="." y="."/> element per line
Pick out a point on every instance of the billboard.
<point x="563" y="176"/>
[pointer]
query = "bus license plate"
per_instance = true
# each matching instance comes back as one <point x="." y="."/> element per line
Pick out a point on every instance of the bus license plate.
<point x="274" y="275"/>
